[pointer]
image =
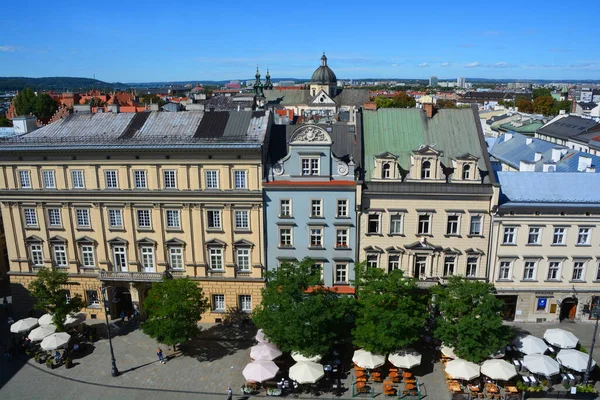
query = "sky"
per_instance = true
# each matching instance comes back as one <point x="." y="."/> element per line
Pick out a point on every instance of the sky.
<point x="145" y="41"/>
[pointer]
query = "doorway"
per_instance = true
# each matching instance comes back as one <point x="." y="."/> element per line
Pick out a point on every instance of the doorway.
<point x="420" y="266"/>
<point x="510" y="307"/>
<point x="568" y="309"/>
<point x="122" y="302"/>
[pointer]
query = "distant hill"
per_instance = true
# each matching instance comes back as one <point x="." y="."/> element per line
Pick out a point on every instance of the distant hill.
<point x="58" y="84"/>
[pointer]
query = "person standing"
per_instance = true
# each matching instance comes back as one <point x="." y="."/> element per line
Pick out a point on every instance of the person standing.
<point x="159" y="353"/>
<point x="229" y="394"/>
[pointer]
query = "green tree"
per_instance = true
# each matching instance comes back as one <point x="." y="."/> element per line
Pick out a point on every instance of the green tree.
<point x="445" y="104"/>
<point x="5" y="122"/>
<point x="298" y="314"/>
<point x="44" y="106"/>
<point x="95" y="102"/>
<point x="25" y="102"/>
<point x="564" y="105"/>
<point x="173" y="308"/>
<point x="152" y="99"/>
<point x="384" y="102"/>
<point x="507" y="103"/>
<point x="49" y="291"/>
<point x="470" y="319"/>
<point x="404" y="100"/>
<point x="543" y="105"/>
<point x="540" y="92"/>
<point x="524" y="105"/>
<point x="390" y="311"/>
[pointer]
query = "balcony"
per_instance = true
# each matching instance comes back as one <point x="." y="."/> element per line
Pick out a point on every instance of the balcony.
<point x="130" y="276"/>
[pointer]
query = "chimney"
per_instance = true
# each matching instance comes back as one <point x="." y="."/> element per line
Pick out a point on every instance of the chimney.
<point x="526" y="166"/>
<point x="507" y="136"/>
<point x="561" y="112"/>
<point x="584" y="163"/>
<point x="429" y="109"/>
<point x="590" y="169"/>
<point x="528" y="141"/>
<point x="24" y="124"/>
<point x="537" y="157"/>
<point x="556" y="154"/>
<point x="114" y="108"/>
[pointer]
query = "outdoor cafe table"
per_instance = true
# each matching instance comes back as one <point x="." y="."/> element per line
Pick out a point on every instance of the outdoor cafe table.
<point x="512" y="389"/>
<point x="454" y="387"/>
<point x="491" y="388"/>
<point x="474" y="388"/>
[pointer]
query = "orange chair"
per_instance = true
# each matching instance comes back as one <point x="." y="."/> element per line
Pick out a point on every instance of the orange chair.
<point x="360" y="373"/>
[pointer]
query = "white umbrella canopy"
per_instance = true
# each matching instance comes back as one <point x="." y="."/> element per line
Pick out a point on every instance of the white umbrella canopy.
<point x="260" y="337"/>
<point x="574" y="359"/>
<point x="23" y="325"/>
<point x="407" y="358"/>
<point x="306" y="372"/>
<point x="46" y="319"/>
<point x="300" y="357"/>
<point x="530" y="345"/>
<point x="462" y="369"/>
<point x="75" y="319"/>
<point x="541" y="364"/>
<point x="265" y="351"/>
<point x="41" y="332"/>
<point x="55" y="341"/>
<point x="561" y="338"/>
<point x="448" y="351"/>
<point x="498" y="369"/>
<point x="260" y="370"/>
<point x="366" y="359"/>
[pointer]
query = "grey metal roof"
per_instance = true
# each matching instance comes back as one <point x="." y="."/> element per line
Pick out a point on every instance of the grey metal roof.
<point x="395" y="187"/>
<point x="346" y="97"/>
<point x="567" y="127"/>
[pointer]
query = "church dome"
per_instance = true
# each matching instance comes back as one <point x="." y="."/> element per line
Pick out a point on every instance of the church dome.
<point x="324" y="75"/>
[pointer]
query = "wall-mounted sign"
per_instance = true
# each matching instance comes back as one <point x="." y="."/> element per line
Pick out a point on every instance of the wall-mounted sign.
<point x="544" y="293"/>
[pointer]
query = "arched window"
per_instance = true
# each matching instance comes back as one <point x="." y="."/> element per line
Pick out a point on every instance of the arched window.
<point x="386" y="171"/>
<point x="466" y="172"/>
<point x="425" y="170"/>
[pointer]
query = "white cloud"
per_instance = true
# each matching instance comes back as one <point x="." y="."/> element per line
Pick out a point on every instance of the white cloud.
<point x="473" y="65"/>
<point x="394" y="65"/>
<point x="445" y="64"/>
<point x="424" y="64"/>
<point x="501" y="65"/>
<point x="8" y="48"/>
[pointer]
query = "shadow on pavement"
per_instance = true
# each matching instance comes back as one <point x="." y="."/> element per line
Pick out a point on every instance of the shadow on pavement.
<point x="138" y="367"/>
<point x="219" y="341"/>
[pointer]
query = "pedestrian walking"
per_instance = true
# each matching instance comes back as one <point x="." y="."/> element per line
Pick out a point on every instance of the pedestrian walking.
<point x="122" y="316"/>
<point x="159" y="353"/>
<point x="229" y="394"/>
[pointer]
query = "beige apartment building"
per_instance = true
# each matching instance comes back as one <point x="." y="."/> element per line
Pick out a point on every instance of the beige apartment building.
<point x="545" y="253"/>
<point x="119" y="199"/>
<point x="427" y="194"/>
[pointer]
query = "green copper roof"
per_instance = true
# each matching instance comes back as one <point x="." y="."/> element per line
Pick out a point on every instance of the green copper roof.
<point x="530" y="128"/>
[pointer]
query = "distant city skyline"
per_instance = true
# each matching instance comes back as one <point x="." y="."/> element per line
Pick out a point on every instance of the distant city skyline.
<point x="187" y="41"/>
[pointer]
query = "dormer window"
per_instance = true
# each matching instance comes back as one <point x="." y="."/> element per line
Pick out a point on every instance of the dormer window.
<point x="425" y="170"/>
<point x="386" y="171"/>
<point x="466" y="173"/>
<point x="310" y="166"/>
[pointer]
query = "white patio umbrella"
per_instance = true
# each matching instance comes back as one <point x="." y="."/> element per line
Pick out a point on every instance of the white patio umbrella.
<point x="55" y="341"/>
<point x="462" y="369"/>
<point x="265" y="351"/>
<point x="299" y="357"/>
<point x="530" y="345"/>
<point x="46" y="319"/>
<point x="498" y="369"/>
<point x="23" y="325"/>
<point x="366" y="359"/>
<point x="260" y="337"/>
<point x="561" y="338"/>
<point x="306" y="372"/>
<point x="41" y="332"/>
<point x="260" y="370"/>
<point x="448" y="351"/>
<point x="541" y="364"/>
<point x="406" y="358"/>
<point x="574" y="359"/>
<point x="75" y="319"/>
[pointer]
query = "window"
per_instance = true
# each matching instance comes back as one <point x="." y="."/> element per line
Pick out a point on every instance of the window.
<point x="583" y="238"/>
<point x="240" y="179"/>
<point x="472" y="267"/>
<point x="420" y="266"/>
<point x="219" y="302"/>
<point x="54" y="217"/>
<point x="578" y="267"/>
<point x="316" y="208"/>
<point x="466" y="172"/>
<point x="77" y="180"/>
<point x="449" y="262"/>
<point x="475" y="229"/>
<point x="143" y="217"/>
<point x="373" y="224"/>
<point x="372" y="260"/>
<point x="243" y="259"/>
<point x="147" y="258"/>
<point x="139" y="178"/>
<point x="424" y="224"/>
<point x="35" y="252"/>
<point x="341" y="238"/>
<point x="60" y="255"/>
<point x="534" y="236"/>
<point x="316" y="237"/>
<point x="509" y="235"/>
<point x="212" y="179"/>
<point x="49" y="181"/>
<point x="83" y="217"/>
<point x="30" y="215"/>
<point x="554" y="270"/>
<point x="241" y="219"/>
<point x="529" y="271"/>
<point x="504" y="270"/>
<point x="386" y="171"/>
<point x="598" y="272"/>
<point x="396" y="224"/>
<point x="110" y="177"/>
<point x="393" y="262"/>
<point x="452" y="225"/>
<point x="67" y="294"/>
<point x="559" y="236"/>
<point x="92" y="298"/>
<point x="176" y="257"/>
<point x="173" y="220"/>
<point x="120" y="258"/>
<point x="25" y="179"/>
<point x="310" y="166"/>
<point x="341" y="273"/>
<point x="87" y="257"/>
<point x="342" y="208"/>
<point x="285" y="208"/>
<point x="246" y="303"/>
<point x="425" y="170"/>
<point x="214" y="219"/>
<point x="115" y="218"/>
<point x="216" y="258"/>
<point x="170" y="179"/>
<point x="285" y="237"/>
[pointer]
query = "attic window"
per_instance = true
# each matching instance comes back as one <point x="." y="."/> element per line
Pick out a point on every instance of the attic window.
<point x="466" y="173"/>
<point x="322" y="99"/>
<point x="425" y="170"/>
<point x="386" y="171"/>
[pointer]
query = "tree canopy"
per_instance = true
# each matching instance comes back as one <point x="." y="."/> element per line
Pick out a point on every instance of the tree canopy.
<point x="390" y="312"/>
<point x="5" y="122"/>
<point x="400" y="100"/>
<point x="540" y="92"/>
<point x="442" y="103"/>
<point x="42" y="105"/>
<point x="543" y="105"/>
<point x="524" y="105"/>
<point x="295" y="318"/>
<point x="174" y="307"/>
<point x="49" y="289"/>
<point x="470" y="319"/>
<point x="152" y="99"/>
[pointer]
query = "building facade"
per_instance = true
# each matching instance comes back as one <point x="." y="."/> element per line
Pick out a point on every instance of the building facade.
<point x="119" y="199"/>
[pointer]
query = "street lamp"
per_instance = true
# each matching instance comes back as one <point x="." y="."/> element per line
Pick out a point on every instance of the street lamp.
<point x="114" y="371"/>
<point x="594" y="313"/>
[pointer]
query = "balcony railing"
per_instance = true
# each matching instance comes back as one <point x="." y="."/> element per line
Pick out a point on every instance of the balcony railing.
<point x="130" y="276"/>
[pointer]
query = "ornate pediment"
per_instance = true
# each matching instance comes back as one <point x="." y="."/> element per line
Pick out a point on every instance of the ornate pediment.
<point x="426" y="149"/>
<point x="467" y="157"/>
<point x="310" y="134"/>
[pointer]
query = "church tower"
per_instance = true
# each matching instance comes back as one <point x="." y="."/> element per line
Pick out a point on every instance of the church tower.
<point x="323" y="79"/>
<point x="258" y="87"/>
